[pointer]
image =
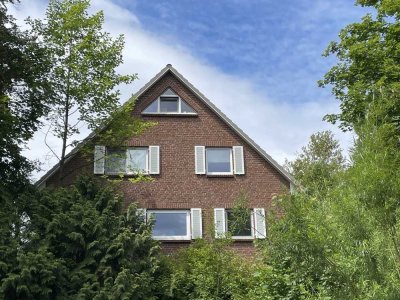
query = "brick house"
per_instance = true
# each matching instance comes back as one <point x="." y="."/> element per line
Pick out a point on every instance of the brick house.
<point x="201" y="163"/>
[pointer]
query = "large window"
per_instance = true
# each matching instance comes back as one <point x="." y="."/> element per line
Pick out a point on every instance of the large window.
<point x="170" y="224"/>
<point x="240" y="224"/>
<point x="133" y="160"/>
<point x="219" y="161"/>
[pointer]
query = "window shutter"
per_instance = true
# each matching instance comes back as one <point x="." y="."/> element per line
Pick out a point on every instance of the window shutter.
<point x="259" y="223"/>
<point x="99" y="154"/>
<point x="200" y="159"/>
<point x="154" y="159"/>
<point x="141" y="213"/>
<point x="197" y="230"/>
<point x="219" y="222"/>
<point x="238" y="160"/>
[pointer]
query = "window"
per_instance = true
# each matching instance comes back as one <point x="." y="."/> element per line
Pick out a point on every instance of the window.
<point x="240" y="225"/>
<point x="219" y="161"/>
<point x="126" y="161"/>
<point x="169" y="103"/>
<point x="170" y="224"/>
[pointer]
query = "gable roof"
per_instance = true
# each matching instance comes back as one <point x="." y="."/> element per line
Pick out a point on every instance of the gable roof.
<point x="207" y="102"/>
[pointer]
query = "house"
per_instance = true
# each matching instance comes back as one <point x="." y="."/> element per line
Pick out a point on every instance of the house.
<point x="201" y="163"/>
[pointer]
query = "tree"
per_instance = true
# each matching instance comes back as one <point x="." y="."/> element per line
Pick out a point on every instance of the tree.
<point x="23" y="96"/>
<point x="318" y="163"/>
<point x="23" y="100"/>
<point x="80" y="242"/>
<point x="82" y="75"/>
<point x="368" y="70"/>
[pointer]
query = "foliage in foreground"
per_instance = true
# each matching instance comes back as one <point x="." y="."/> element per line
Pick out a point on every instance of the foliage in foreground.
<point x="78" y="242"/>
<point x="345" y="245"/>
<point x="210" y="270"/>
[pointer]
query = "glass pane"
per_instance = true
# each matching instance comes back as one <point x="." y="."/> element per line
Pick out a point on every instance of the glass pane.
<point x="152" y="108"/>
<point x="115" y="161"/>
<point x="185" y="108"/>
<point x="170" y="224"/>
<point x="239" y="224"/>
<point x="168" y="104"/>
<point x="218" y="160"/>
<point x="137" y="160"/>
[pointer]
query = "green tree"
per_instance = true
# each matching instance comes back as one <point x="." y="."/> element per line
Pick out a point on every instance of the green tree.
<point x="369" y="67"/>
<point x="80" y="242"/>
<point x="23" y="100"/>
<point x="83" y="77"/>
<point x="318" y="163"/>
<point x="23" y="96"/>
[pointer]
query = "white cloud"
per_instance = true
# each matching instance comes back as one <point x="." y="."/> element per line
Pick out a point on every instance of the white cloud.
<point x="281" y="128"/>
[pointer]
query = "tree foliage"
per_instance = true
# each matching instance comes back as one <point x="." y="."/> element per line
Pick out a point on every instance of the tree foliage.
<point x="369" y="66"/>
<point x="82" y="75"/>
<point x="23" y="95"/>
<point x="79" y="242"/>
<point x="318" y="163"/>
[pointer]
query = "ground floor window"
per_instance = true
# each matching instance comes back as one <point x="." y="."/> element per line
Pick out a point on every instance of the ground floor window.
<point x="170" y="224"/>
<point x="240" y="224"/>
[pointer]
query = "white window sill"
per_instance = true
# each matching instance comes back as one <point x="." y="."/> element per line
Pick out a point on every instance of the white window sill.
<point x="171" y="114"/>
<point x="220" y="174"/>
<point x="172" y="238"/>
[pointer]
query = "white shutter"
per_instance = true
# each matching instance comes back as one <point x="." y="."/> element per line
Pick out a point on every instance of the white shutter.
<point x="197" y="230"/>
<point x="99" y="154"/>
<point x="154" y="159"/>
<point x="259" y="223"/>
<point x="219" y="222"/>
<point x="238" y="160"/>
<point x="200" y="159"/>
<point x="141" y="213"/>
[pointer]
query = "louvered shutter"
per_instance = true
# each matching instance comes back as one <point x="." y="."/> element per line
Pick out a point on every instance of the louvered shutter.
<point x="154" y="159"/>
<point x="99" y="157"/>
<point x="259" y="223"/>
<point x="200" y="159"/>
<point x="238" y="160"/>
<point x="197" y="230"/>
<point x="219" y="222"/>
<point x="141" y="213"/>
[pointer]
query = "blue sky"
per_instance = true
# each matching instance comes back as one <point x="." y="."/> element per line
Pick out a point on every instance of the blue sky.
<point x="278" y="44"/>
<point x="258" y="61"/>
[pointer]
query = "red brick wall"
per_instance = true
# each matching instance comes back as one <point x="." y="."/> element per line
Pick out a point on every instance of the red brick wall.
<point x="177" y="186"/>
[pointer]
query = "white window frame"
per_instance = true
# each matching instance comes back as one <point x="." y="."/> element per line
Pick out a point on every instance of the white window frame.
<point x="126" y="162"/>
<point x="188" y="235"/>
<point x="230" y="158"/>
<point x="252" y="226"/>
<point x="159" y="112"/>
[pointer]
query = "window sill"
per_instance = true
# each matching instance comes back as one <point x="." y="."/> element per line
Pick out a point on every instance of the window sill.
<point x="172" y="239"/>
<point x="220" y="175"/>
<point x="170" y="114"/>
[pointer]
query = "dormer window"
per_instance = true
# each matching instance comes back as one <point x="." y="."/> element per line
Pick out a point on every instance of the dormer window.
<point x="169" y="103"/>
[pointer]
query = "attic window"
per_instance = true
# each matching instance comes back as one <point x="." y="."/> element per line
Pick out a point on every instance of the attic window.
<point x="169" y="103"/>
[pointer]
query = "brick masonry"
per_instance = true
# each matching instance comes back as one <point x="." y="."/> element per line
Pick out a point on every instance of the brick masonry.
<point x="177" y="186"/>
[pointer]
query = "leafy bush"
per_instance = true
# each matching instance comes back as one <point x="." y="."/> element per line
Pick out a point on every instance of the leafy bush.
<point x="210" y="270"/>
